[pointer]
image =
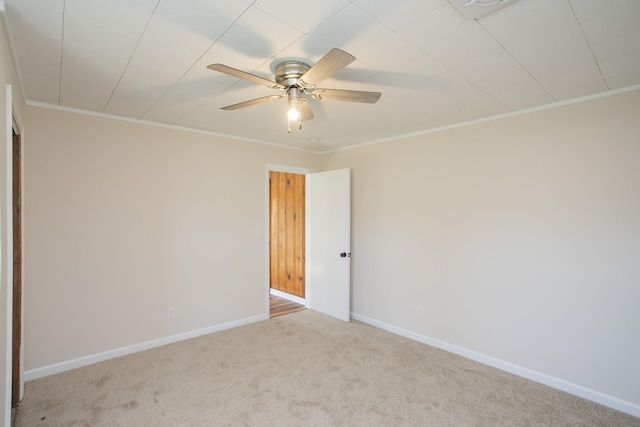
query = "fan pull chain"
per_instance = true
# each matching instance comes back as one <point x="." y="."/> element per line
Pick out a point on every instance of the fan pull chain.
<point x="299" y="124"/>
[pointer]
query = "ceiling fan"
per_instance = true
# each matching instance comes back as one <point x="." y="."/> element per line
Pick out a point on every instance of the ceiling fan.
<point x="297" y="80"/>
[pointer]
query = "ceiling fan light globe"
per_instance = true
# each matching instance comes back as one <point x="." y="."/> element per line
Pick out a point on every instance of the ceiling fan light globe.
<point x="293" y="114"/>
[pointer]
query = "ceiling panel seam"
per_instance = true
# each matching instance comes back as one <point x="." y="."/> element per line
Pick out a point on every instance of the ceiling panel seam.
<point x="64" y="8"/>
<point x="193" y="65"/>
<point x="436" y="60"/>
<point x="526" y="70"/>
<point x="455" y="71"/>
<point x="593" y="55"/>
<point x="124" y="71"/>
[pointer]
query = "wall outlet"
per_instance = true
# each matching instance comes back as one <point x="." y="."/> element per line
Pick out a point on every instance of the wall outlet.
<point x="171" y="312"/>
<point x="420" y="311"/>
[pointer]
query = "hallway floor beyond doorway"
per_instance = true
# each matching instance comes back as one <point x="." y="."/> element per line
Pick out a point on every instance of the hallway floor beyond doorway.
<point x="279" y="306"/>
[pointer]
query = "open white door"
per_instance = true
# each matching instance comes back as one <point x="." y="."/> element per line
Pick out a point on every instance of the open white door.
<point x="329" y="238"/>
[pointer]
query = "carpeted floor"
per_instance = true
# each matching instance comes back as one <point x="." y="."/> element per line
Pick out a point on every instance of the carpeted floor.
<point x="301" y="369"/>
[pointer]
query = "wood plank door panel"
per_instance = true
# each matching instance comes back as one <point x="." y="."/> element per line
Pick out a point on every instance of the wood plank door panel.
<point x="286" y="232"/>
<point x="17" y="269"/>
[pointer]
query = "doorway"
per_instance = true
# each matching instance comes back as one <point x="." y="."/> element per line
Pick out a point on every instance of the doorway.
<point x="327" y="256"/>
<point x="271" y="237"/>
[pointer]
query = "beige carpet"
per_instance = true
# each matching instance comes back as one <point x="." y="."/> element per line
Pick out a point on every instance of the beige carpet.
<point x="301" y="369"/>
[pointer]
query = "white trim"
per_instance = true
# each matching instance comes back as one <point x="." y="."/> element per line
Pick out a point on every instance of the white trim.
<point x="2" y="7"/>
<point x="7" y="252"/>
<point x="308" y="288"/>
<point x="288" y="296"/>
<point x="123" y="351"/>
<point x="491" y="118"/>
<point x="16" y="123"/>
<point x="350" y="147"/>
<point x="268" y="167"/>
<point x="163" y="125"/>
<point x="557" y="383"/>
<point x="290" y="169"/>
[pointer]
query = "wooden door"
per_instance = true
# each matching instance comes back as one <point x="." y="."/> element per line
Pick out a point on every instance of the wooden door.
<point x="286" y="232"/>
<point x="17" y="269"/>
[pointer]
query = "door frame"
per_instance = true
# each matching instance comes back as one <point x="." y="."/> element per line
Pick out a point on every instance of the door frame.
<point x="17" y="311"/>
<point x="272" y="167"/>
<point x="13" y="123"/>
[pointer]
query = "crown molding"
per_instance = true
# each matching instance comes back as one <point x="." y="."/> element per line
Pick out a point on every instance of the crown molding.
<point x="161" y="125"/>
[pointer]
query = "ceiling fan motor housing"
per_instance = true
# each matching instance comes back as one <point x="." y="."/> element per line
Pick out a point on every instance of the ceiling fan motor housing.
<point x="289" y="72"/>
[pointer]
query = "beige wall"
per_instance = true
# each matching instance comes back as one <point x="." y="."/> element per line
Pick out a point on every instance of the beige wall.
<point x="8" y="76"/>
<point x="519" y="237"/>
<point x="124" y="220"/>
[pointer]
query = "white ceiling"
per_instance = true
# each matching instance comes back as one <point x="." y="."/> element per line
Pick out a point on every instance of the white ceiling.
<point x="146" y="59"/>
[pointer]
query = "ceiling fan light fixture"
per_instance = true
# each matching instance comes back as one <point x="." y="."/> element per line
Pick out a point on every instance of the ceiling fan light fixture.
<point x="296" y="80"/>
<point x="293" y="113"/>
<point x="294" y="109"/>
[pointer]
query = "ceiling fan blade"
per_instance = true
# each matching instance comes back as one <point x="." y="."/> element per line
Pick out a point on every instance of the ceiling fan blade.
<point x="333" y="61"/>
<point x="252" y="102"/>
<point x="242" y="75"/>
<point x="346" y="95"/>
<point x="305" y="110"/>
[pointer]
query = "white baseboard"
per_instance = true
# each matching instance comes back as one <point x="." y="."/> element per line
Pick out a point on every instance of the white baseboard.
<point x="289" y="297"/>
<point x="123" y="351"/>
<point x="577" y="390"/>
